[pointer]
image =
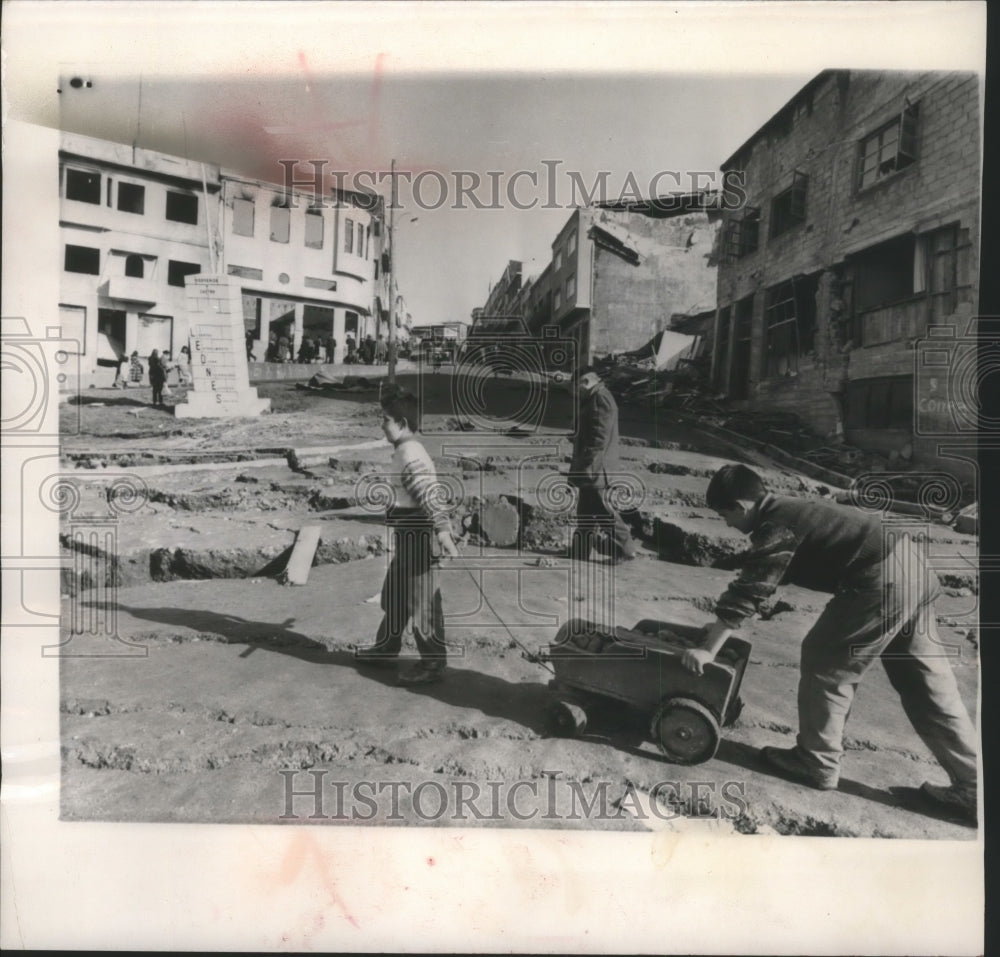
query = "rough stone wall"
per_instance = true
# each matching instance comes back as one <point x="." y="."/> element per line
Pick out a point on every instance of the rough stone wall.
<point x="822" y="141"/>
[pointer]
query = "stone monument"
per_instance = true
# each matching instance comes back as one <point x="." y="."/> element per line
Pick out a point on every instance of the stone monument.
<point x="220" y="381"/>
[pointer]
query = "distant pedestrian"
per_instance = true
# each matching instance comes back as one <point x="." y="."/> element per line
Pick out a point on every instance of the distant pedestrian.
<point x="331" y="349"/>
<point x="157" y="377"/>
<point x="271" y="355"/>
<point x="249" y="346"/>
<point x="284" y="347"/>
<point x="352" y="356"/>
<point x="135" y="369"/>
<point x="184" y="366"/>
<point x="595" y="460"/>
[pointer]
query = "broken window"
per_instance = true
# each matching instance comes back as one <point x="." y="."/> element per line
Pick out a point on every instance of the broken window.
<point x="891" y="148"/>
<point x="883" y="403"/>
<point x="788" y="208"/>
<point x="243" y="210"/>
<point x="83" y="186"/>
<point x="790" y="324"/>
<point x="177" y="270"/>
<point x="887" y="273"/>
<point x="82" y="259"/>
<point x="743" y="235"/>
<point x="280" y="224"/>
<point x="348" y="235"/>
<point x="182" y="207"/>
<point x="131" y="198"/>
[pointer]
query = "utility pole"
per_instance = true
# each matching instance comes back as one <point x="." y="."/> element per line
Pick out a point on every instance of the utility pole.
<point x="392" y="271"/>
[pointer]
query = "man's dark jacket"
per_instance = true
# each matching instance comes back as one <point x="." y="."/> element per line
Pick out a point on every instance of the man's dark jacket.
<point x="595" y="444"/>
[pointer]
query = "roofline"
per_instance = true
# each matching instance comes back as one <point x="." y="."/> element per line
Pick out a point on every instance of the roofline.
<point x="761" y="130"/>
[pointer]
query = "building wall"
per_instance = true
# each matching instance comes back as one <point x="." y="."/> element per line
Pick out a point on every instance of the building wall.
<point x="153" y="308"/>
<point x="676" y="274"/>
<point x="820" y="133"/>
<point x="324" y="274"/>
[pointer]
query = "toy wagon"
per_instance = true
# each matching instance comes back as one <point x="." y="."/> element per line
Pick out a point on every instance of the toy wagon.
<point x="641" y="668"/>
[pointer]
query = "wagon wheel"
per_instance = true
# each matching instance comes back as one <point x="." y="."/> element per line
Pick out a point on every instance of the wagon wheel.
<point x="685" y="730"/>
<point x="567" y="719"/>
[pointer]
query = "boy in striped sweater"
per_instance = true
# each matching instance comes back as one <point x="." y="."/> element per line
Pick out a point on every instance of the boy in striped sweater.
<point x="416" y="516"/>
<point x="882" y="608"/>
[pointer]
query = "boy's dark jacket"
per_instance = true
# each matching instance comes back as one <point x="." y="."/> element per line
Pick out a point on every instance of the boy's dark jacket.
<point x="595" y="444"/>
<point x="819" y="545"/>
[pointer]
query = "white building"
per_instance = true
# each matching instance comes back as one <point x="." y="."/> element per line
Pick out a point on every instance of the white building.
<point x="134" y="223"/>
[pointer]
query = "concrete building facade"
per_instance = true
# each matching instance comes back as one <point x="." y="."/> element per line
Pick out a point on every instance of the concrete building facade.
<point x="134" y="223"/>
<point x="858" y="237"/>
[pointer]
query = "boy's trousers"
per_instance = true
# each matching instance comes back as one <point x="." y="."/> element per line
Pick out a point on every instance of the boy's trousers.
<point x="410" y="591"/>
<point x="889" y="616"/>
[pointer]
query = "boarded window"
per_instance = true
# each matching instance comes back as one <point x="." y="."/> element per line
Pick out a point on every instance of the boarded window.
<point x="83" y="186"/>
<point x="348" y="235"/>
<point x="884" y="403"/>
<point x="790" y="323"/>
<point x="243" y="210"/>
<point x="177" y="271"/>
<point x="182" y="207"/>
<point x="891" y="148"/>
<point x="280" y="224"/>
<point x="788" y="208"/>
<point x="314" y="228"/>
<point x="153" y="332"/>
<point x="82" y="259"/>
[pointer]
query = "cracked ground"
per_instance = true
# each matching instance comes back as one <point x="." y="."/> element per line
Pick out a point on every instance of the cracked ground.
<point x="227" y="685"/>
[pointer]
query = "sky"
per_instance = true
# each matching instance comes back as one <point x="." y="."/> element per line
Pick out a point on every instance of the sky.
<point x="451" y="92"/>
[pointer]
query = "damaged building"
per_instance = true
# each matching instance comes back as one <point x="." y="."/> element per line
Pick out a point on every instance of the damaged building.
<point x="618" y="274"/>
<point x="859" y="236"/>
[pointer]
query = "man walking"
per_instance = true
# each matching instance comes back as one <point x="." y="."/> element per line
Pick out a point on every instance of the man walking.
<point x="595" y="460"/>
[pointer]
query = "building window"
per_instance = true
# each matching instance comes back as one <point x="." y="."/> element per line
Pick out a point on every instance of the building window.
<point x="570" y="288"/>
<point x="280" y="224"/>
<point x="886" y="273"/>
<point x="245" y="272"/>
<point x="82" y="259"/>
<point x="361" y="240"/>
<point x="743" y="235"/>
<point x="134" y="266"/>
<point x="742" y="340"/>
<point x="182" y="207"/>
<point x="83" y="186"/>
<point x="557" y="262"/>
<point x="790" y="324"/>
<point x="368" y="241"/>
<point x="889" y="149"/>
<point x="177" y="270"/>
<point x="348" y="235"/>
<point x="788" y="208"/>
<point x="131" y="198"/>
<point x="571" y="243"/>
<point x="314" y="228"/>
<point x="885" y="403"/>
<point x="557" y="300"/>
<point x="243" y="210"/>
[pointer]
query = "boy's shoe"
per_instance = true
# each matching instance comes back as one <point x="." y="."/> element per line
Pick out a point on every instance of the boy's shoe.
<point x="789" y="763"/>
<point x="425" y="673"/>
<point x="962" y="800"/>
